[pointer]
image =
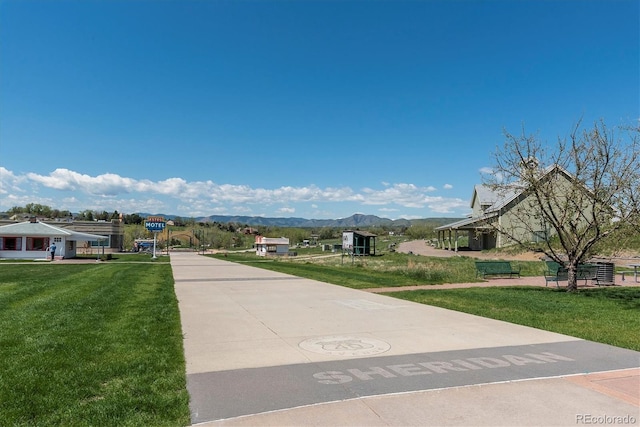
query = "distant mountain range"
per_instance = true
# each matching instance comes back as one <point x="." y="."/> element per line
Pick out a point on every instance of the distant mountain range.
<point x="354" y="221"/>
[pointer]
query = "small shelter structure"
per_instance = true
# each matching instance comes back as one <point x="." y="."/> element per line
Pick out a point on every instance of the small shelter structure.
<point x="356" y="242"/>
<point x="271" y="246"/>
<point x="31" y="240"/>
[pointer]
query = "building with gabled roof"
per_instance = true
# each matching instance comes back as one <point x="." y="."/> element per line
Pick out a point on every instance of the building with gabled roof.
<point x="31" y="240"/>
<point x="113" y="230"/>
<point x="492" y="211"/>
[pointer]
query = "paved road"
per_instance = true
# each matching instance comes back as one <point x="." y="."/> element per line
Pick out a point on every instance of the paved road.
<point x="265" y="348"/>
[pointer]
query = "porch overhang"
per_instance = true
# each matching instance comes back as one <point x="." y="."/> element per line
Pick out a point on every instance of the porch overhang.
<point x="468" y="225"/>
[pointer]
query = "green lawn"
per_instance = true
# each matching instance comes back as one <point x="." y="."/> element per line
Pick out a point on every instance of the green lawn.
<point x="606" y="315"/>
<point x="388" y="270"/>
<point x="91" y="344"/>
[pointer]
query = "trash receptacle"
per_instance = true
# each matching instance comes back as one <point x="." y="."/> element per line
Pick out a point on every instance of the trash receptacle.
<point x="605" y="273"/>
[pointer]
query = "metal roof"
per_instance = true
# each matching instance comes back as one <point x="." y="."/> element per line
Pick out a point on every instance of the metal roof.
<point x="485" y="195"/>
<point x="517" y="188"/>
<point x="361" y="233"/>
<point x="494" y="199"/>
<point x="466" y="223"/>
<point x="272" y="240"/>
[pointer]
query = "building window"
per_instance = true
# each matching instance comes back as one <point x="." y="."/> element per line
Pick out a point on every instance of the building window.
<point x="100" y="244"/>
<point x="11" y="243"/>
<point x="539" y="236"/>
<point x="37" y="243"/>
<point x="272" y="248"/>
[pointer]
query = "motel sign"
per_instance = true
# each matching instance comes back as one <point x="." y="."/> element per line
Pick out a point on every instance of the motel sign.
<point x="155" y="223"/>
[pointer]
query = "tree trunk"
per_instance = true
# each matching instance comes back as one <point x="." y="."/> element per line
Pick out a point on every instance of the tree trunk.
<point x="572" y="278"/>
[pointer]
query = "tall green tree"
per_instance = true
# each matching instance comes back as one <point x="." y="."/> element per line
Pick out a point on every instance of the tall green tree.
<point x="86" y="215"/>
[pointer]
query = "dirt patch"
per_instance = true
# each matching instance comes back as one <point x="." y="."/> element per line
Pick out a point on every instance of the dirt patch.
<point x="422" y="247"/>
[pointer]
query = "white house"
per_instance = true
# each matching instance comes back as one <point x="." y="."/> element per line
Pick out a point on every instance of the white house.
<point x="113" y="230"/>
<point x="31" y="240"/>
<point x="268" y="246"/>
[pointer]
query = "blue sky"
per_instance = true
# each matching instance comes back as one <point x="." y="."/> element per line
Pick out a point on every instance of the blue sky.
<point x="312" y="109"/>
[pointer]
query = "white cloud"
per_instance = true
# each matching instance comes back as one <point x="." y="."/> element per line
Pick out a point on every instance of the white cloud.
<point x="447" y="186"/>
<point x="486" y="170"/>
<point x="449" y="206"/>
<point x="104" y="185"/>
<point x="490" y="171"/>
<point x="286" y="210"/>
<point x="407" y="195"/>
<point x="10" y="183"/>
<point x="199" y="198"/>
<point x="10" y="200"/>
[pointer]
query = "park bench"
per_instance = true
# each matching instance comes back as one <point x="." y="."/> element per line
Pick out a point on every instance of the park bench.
<point x="557" y="273"/>
<point x="496" y="268"/>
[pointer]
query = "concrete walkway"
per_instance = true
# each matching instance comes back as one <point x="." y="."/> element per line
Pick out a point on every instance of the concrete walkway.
<point x="515" y="281"/>
<point x="265" y="348"/>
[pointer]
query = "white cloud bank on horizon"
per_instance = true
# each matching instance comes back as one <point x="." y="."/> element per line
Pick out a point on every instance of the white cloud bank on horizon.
<point x="200" y="198"/>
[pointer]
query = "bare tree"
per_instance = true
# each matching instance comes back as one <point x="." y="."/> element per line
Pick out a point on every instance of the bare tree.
<point x="576" y="193"/>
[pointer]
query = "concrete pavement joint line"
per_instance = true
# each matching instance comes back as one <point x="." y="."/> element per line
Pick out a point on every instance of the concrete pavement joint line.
<point x="594" y="381"/>
<point x="363" y="304"/>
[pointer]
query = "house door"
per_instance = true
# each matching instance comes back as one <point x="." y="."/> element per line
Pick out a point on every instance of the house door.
<point x="70" y="250"/>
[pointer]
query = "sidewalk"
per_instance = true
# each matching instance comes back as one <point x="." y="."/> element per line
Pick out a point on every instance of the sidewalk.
<point x="518" y="281"/>
<point x="265" y="348"/>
